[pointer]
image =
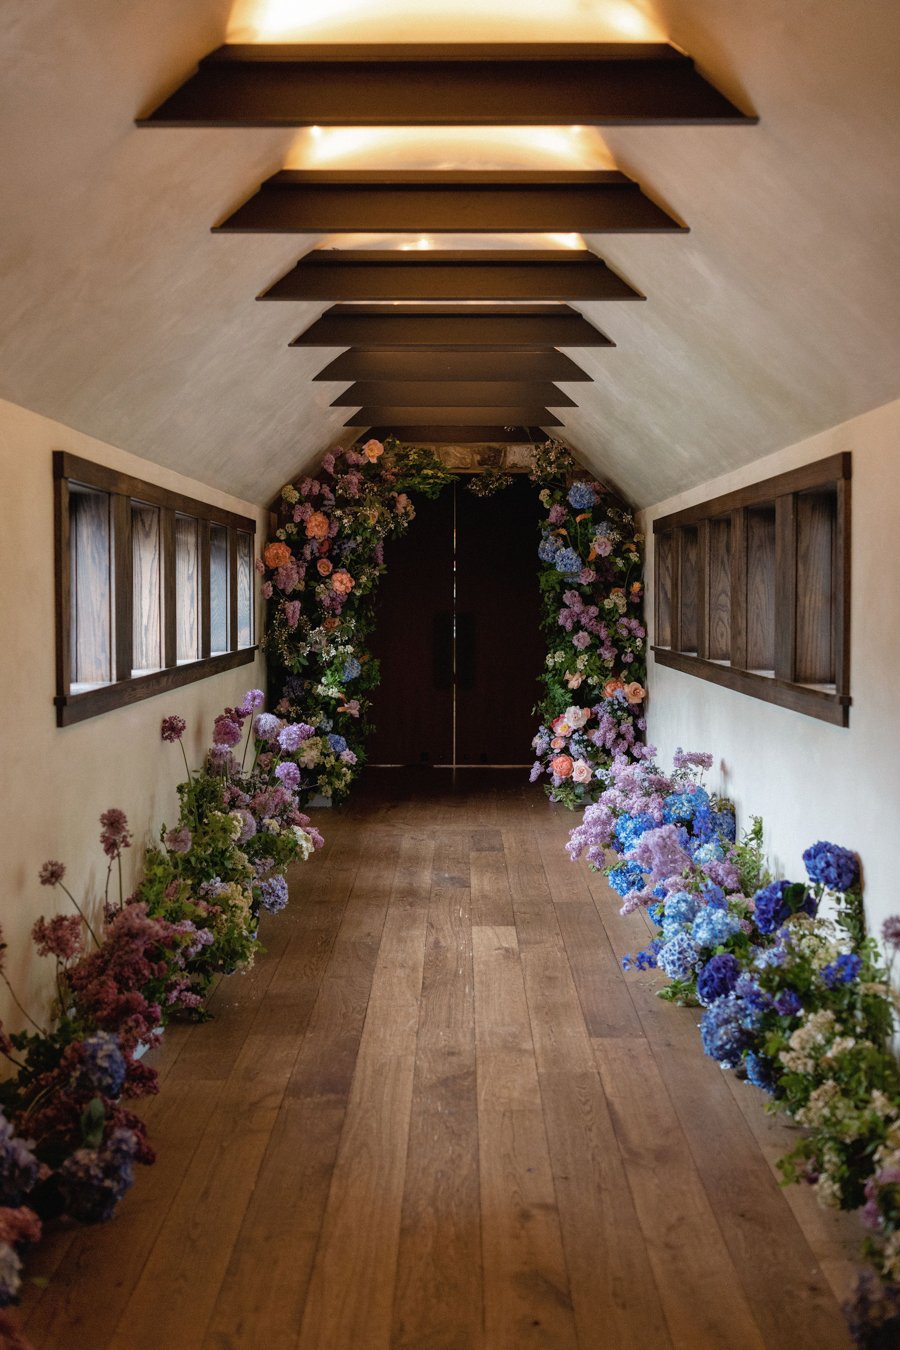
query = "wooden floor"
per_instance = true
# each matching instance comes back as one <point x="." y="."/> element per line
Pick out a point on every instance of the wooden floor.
<point x="437" y="1116"/>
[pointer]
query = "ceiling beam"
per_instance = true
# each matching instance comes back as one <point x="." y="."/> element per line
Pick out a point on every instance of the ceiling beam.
<point x="452" y="393"/>
<point x="451" y="326"/>
<point x="350" y="274"/>
<point x="400" y="416"/>
<point x="311" y="201"/>
<point x="402" y="364"/>
<point x="445" y="84"/>
<point x="459" y="435"/>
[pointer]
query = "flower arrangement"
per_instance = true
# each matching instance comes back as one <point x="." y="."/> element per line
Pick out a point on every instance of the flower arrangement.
<point x="68" y="1144"/>
<point x="592" y="593"/>
<point x="321" y="572"/>
<point x="798" y="1003"/>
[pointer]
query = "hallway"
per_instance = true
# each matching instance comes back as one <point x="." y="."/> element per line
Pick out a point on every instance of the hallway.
<point x="437" y="1114"/>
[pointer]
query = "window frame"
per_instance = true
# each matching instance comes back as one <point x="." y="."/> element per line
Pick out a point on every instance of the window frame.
<point x="829" y="703"/>
<point x="126" y="688"/>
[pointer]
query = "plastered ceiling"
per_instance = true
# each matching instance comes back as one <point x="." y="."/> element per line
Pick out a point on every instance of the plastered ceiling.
<point x="776" y="317"/>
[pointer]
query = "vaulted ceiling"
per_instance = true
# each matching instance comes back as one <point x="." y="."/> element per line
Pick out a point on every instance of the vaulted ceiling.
<point x="124" y="314"/>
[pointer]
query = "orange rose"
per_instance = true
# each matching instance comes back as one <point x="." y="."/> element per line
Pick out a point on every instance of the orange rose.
<point x="562" y="766"/>
<point x="373" y="450"/>
<point x="611" y="686"/>
<point x="635" y="693"/>
<point x="342" y="582"/>
<point x="323" y="567"/>
<point x="277" y="555"/>
<point x="330" y="624"/>
<point x="317" y="526"/>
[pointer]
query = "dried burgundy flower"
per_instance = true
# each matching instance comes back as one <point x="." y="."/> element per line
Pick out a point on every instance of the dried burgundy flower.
<point x="115" y="834"/>
<point x="173" y="728"/>
<point x="52" y="873"/>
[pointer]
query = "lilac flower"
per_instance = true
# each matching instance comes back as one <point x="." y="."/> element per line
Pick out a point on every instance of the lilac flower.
<point x="831" y="866"/>
<point x="115" y="834"/>
<point x="289" y="775"/>
<point x="690" y="759"/>
<point x="92" y="1181"/>
<point x="662" y="852"/>
<point x="173" y="728"/>
<point x="227" y="730"/>
<point x="717" y="978"/>
<point x="267" y="726"/>
<point x="178" y="840"/>
<point x="102" y="1065"/>
<point x="18" y="1165"/>
<point x="294" y="734"/>
<point x="274" y="894"/>
<point x="52" y="873"/>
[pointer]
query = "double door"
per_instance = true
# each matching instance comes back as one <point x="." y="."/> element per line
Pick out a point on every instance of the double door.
<point x="458" y="633"/>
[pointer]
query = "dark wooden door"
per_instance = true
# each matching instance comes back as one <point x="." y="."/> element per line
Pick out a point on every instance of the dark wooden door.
<point x="458" y="633"/>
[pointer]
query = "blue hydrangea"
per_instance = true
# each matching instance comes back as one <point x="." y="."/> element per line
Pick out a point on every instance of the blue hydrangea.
<point x="567" y="561"/>
<point x="679" y="808"/>
<point x="717" y="978"/>
<point x="679" y="909"/>
<point x="337" y="743"/>
<point x="843" y="970"/>
<point x="678" y="957"/>
<point x="351" y="669"/>
<point x="102" y="1065"/>
<point x="713" y="895"/>
<point x="831" y="866"/>
<point x="713" y="926"/>
<point x="759" y="1071"/>
<point x="274" y="894"/>
<point x="92" y="1181"/>
<point x="707" y="853"/>
<point x="754" y="1000"/>
<point x="582" y="496"/>
<point x="773" y="905"/>
<point x="629" y="829"/>
<point x="18" y="1166"/>
<point x="548" y="547"/>
<point x="787" y="1003"/>
<point x="626" y="876"/>
<point x="723" y="1031"/>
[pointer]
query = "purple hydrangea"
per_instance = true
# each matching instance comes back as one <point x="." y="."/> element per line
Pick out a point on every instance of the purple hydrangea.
<point x="717" y="978"/>
<point x="254" y="698"/>
<point x="267" y="726"/>
<point x="294" y="734"/>
<point x="102" y="1065"/>
<point x="18" y="1166"/>
<point x="92" y="1181"/>
<point x="831" y="866"/>
<point x="274" y="894"/>
<point x="179" y="840"/>
<point x="288" y="775"/>
<point x="787" y="1003"/>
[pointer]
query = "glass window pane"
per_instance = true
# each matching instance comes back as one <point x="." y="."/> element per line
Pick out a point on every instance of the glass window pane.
<point x="218" y="589"/>
<point x="90" y="540"/>
<point x="146" y="632"/>
<point x="244" y="589"/>
<point x="187" y="589"/>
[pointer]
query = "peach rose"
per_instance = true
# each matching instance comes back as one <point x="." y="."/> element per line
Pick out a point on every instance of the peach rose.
<point x="373" y="450"/>
<point x="317" y="526"/>
<point x="562" y="766"/>
<point x="573" y="678"/>
<point x="635" y="693"/>
<point x="401" y="503"/>
<point x="277" y="555"/>
<point x="581" y="771"/>
<point x="323" y="567"/>
<point x="611" y="686"/>
<point x="330" y="624"/>
<point x="342" y="582"/>
<point x="558" y="743"/>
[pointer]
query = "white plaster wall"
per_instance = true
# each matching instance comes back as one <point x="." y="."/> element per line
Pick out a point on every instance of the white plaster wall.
<point x="810" y="780"/>
<point x="56" y="781"/>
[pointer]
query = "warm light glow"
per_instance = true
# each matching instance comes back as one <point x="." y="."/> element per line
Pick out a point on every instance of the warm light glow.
<point x="443" y="21"/>
<point x="449" y="148"/>
<point x="423" y="243"/>
<point x="566" y="240"/>
<point x="413" y="244"/>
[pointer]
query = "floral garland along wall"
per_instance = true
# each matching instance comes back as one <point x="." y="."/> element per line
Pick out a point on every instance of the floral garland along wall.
<point x="320" y="577"/>
<point x="799" y="1004"/>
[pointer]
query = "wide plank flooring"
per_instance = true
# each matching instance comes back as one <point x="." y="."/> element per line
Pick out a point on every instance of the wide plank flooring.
<point x="437" y="1116"/>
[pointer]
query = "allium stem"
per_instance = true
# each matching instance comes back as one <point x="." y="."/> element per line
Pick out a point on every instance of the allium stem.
<point x="24" y="1011"/>
<point x="81" y="911"/>
<point x="185" y="758"/>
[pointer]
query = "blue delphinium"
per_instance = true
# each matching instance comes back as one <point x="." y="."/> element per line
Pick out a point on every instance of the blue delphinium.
<point x="678" y="957"/>
<point x="92" y="1181"/>
<point x="724" y="1032"/>
<point x="18" y="1166"/>
<point x="582" y="496"/>
<point x="567" y="560"/>
<point x="831" y="866"/>
<point x="274" y="894"/>
<point x="626" y="876"/>
<point x="714" y="926"/>
<point x="102" y="1065"/>
<point x="841" y="971"/>
<point x="644" y="960"/>
<point x="717" y="978"/>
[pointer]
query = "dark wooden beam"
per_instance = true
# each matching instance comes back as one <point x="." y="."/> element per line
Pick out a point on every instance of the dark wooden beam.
<point x="451" y="326"/>
<point x="348" y="274"/>
<point x="424" y="200"/>
<point x="458" y="435"/>
<point x="404" y="363"/>
<point x="400" y="417"/>
<point x="452" y="393"/>
<point x="473" y="84"/>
